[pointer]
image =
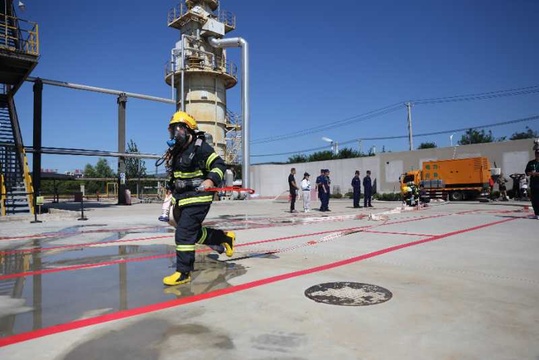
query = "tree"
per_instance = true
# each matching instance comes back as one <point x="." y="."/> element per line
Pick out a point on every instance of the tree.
<point x="103" y="170"/>
<point x="528" y="134"/>
<point x="321" y="155"/>
<point x="473" y="136"/>
<point x="134" y="167"/>
<point x="427" y="145"/>
<point x="100" y="170"/>
<point x="298" y="158"/>
<point x="348" y="153"/>
<point x="89" y="171"/>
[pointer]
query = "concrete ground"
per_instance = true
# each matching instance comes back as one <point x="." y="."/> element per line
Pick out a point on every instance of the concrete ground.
<point x="449" y="281"/>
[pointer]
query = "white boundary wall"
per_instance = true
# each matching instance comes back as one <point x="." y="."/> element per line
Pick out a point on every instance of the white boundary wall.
<point x="271" y="180"/>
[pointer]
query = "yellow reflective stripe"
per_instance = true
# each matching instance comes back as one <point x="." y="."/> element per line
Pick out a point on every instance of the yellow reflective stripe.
<point x="196" y="200"/>
<point x="204" y="236"/>
<point x="185" y="248"/>
<point x="187" y="175"/>
<point x="210" y="160"/>
<point x="218" y="172"/>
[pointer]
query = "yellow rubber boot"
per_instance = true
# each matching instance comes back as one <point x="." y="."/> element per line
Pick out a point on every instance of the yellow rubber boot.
<point x="229" y="245"/>
<point x="177" y="278"/>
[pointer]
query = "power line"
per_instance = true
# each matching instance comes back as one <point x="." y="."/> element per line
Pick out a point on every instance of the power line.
<point x="394" y="107"/>
<point x="531" y="118"/>
<point x="368" y="115"/>
<point x="480" y="96"/>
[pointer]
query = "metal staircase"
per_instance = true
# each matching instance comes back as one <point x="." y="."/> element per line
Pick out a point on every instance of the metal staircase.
<point x="13" y="164"/>
<point x="19" y="53"/>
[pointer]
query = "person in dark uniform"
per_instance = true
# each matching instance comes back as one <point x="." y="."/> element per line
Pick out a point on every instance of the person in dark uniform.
<point x="532" y="170"/>
<point x="328" y="189"/>
<point x="321" y="189"/>
<point x="293" y="190"/>
<point x="367" y="189"/>
<point x="356" y="186"/>
<point x="194" y="167"/>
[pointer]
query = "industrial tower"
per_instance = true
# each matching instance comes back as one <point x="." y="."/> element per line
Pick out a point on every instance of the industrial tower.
<point x="200" y="73"/>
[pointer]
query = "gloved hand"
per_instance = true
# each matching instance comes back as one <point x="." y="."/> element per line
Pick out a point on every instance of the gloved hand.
<point x="206" y="184"/>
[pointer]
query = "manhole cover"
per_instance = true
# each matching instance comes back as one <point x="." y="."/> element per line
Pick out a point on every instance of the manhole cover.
<point x="348" y="294"/>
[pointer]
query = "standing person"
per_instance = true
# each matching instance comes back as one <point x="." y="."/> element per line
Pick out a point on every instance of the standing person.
<point x="523" y="187"/>
<point x="293" y="190"/>
<point x="165" y="207"/>
<point x="306" y="190"/>
<point x="356" y="186"/>
<point x="516" y="186"/>
<point x="532" y="170"/>
<point x="167" y="158"/>
<point x="194" y="167"/>
<point x="503" y="187"/>
<point x="321" y="188"/>
<point x="367" y="189"/>
<point x="328" y="188"/>
<point x="491" y="187"/>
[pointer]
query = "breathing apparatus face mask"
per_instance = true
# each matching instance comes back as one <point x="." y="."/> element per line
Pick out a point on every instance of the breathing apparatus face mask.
<point x="179" y="135"/>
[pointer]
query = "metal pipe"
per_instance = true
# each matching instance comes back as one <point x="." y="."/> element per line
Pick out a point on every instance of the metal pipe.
<point x="37" y="138"/>
<point x="182" y="75"/>
<point x="173" y="68"/>
<point x="122" y="170"/>
<point x="85" y="152"/>
<point x="100" y="90"/>
<point x="240" y="42"/>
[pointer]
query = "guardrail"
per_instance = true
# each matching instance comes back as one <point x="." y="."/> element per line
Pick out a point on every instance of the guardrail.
<point x="221" y="65"/>
<point x="19" y="35"/>
<point x="226" y="17"/>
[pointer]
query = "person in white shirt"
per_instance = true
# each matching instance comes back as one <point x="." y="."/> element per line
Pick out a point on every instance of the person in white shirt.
<point x="306" y="190"/>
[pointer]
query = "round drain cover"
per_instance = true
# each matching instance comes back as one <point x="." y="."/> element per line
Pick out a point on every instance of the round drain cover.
<point x="348" y="294"/>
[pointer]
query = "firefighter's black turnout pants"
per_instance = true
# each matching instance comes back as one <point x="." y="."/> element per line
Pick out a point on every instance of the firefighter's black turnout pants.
<point x="190" y="231"/>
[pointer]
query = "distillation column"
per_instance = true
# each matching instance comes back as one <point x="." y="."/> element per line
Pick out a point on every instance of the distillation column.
<point x="199" y="72"/>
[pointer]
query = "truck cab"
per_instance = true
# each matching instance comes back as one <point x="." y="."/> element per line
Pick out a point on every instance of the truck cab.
<point x="413" y="176"/>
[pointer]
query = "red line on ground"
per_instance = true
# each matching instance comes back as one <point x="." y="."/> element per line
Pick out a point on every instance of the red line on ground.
<point x="76" y="246"/>
<point x="233" y="289"/>
<point x="395" y="233"/>
<point x="145" y="258"/>
<point x="154" y="257"/>
<point x="58" y="233"/>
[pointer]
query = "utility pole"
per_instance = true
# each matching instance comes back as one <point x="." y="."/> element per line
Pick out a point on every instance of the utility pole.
<point x="410" y="139"/>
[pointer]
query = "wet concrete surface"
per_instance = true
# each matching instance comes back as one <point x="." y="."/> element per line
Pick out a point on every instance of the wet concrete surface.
<point x="93" y="290"/>
<point x="125" y="279"/>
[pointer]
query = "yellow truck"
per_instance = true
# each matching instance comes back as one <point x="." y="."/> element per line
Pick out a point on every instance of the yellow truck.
<point x="453" y="179"/>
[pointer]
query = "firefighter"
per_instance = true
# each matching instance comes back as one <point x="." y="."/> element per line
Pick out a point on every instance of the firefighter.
<point x="194" y="167"/>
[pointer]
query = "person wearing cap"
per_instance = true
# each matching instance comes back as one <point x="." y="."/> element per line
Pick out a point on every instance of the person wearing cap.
<point x="532" y="170"/>
<point x="320" y="181"/>
<point x="356" y="186"/>
<point x="306" y="192"/>
<point x="328" y="193"/>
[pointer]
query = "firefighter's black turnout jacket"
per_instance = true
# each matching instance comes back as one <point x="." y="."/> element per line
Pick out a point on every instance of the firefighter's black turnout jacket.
<point x="190" y="167"/>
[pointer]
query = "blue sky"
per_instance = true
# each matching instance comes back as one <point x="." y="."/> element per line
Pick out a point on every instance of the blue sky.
<point x="316" y="68"/>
